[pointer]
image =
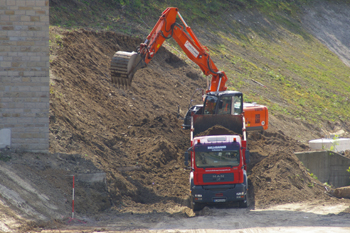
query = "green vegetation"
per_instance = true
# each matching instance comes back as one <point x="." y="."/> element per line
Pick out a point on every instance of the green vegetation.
<point x="300" y="77"/>
<point x="335" y="142"/>
<point x="313" y="176"/>
<point x="110" y="14"/>
<point x="5" y="157"/>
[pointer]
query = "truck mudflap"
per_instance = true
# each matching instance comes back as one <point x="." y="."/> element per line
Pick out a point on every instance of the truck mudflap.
<point x="219" y="193"/>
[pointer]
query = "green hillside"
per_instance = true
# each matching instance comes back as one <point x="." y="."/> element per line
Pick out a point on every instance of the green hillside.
<point x="260" y="44"/>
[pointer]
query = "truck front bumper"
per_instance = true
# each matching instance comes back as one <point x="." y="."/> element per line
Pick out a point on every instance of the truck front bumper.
<point x="218" y="193"/>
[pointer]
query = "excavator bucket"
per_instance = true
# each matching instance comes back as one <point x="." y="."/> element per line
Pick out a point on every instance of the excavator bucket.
<point x="123" y="67"/>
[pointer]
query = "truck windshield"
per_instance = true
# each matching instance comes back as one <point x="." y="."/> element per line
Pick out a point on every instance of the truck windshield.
<point x="217" y="158"/>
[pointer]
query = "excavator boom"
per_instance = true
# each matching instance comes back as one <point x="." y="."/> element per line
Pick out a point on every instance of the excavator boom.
<point x="125" y="64"/>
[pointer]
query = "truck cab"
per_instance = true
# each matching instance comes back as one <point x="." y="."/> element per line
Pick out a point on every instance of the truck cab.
<point x="218" y="171"/>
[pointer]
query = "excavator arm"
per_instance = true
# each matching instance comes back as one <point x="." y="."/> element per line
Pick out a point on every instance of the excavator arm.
<point x="124" y="64"/>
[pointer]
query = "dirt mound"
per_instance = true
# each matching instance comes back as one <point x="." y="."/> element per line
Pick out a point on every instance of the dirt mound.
<point x="134" y="136"/>
<point x="281" y="178"/>
<point x="217" y="130"/>
<point x="276" y="174"/>
<point x="267" y="143"/>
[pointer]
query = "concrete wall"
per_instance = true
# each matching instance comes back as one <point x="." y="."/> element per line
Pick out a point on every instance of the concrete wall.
<point x="328" y="166"/>
<point x="24" y="73"/>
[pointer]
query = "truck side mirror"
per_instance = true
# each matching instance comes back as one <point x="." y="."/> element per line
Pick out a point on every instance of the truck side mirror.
<point x="247" y="154"/>
<point x="186" y="158"/>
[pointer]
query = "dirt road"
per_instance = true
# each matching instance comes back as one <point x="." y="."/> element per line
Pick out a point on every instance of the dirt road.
<point x="308" y="217"/>
<point x="297" y="217"/>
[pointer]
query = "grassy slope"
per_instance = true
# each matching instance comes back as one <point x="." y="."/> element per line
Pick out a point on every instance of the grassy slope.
<point x="302" y="77"/>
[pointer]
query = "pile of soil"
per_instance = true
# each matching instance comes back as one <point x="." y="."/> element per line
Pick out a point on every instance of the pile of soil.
<point x="217" y="130"/>
<point x="135" y="136"/>
<point x="276" y="174"/>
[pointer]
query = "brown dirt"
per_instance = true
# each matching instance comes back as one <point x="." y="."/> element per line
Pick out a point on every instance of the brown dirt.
<point x="134" y="135"/>
<point x="217" y="130"/>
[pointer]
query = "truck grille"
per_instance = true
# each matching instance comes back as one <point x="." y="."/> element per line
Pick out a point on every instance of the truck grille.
<point x="223" y="177"/>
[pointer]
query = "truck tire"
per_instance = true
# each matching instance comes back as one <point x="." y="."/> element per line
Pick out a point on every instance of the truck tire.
<point x="244" y="203"/>
<point x="196" y="206"/>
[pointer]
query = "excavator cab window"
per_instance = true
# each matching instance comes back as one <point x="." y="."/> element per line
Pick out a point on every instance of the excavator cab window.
<point x="210" y="104"/>
<point x="225" y="105"/>
<point x="237" y="104"/>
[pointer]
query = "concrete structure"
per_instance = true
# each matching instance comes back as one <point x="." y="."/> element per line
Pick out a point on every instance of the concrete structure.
<point x="5" y="138"/>
<point x="24" y="73"/>
<point x="328" y="166"/>
<point x="334" y="144"/>
<point x="92" y="177"/>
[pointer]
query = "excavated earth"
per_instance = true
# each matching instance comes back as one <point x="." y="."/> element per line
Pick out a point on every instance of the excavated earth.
<point x="133" y="137"/>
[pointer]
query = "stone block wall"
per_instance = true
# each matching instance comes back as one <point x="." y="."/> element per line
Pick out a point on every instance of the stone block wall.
<point x="24" y="73"/>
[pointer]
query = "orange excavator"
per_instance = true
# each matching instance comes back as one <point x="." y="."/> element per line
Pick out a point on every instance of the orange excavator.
<point x="218" y="102"/>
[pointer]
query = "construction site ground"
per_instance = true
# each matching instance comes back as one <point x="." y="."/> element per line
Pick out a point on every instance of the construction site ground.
<point x="125" y="149"/>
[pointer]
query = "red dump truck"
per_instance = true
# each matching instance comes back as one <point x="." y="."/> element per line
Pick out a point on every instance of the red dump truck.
<point x="218" y="160"/>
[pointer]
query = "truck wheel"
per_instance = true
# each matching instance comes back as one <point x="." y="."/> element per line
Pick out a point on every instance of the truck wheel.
<point x="196" y="206"/>
<point x="244" y="203"/>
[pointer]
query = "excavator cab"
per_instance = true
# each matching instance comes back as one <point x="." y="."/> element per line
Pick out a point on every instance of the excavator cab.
<point x="227" y="102"/>
<point x="216" y="103"/>
<point x="226" y="108"/>
<point x="231" y="103"/>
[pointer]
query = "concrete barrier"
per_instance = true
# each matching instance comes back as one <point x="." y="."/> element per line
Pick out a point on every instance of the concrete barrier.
<point x="328" y="166"/>
<point x="92" y="177"/>
<point x="333" y="144"/>
<point x="5" y="138"/>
